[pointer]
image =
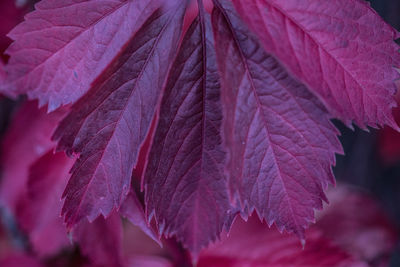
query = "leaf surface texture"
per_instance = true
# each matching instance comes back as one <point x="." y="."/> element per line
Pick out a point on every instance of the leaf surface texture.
<point x="280" y="140"/>
<point x="186" y="189"/>
<point x="341" y="49"/>
<point x="63" y="46"/>
<point x="109" y="124"/>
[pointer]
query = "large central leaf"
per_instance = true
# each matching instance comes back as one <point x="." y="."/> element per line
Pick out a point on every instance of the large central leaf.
<point x="186" y="189"/>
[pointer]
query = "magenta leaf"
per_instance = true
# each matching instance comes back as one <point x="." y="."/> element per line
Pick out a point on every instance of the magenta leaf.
<point x="149" y="261"/>
<point x="26" y="140"/>
<point x="109" y="124"/>
<point x="281" y="143"/>
<point x="341" y="49"/>
<point x="39" y="211"/>
<point x="357" y="223"/>
<point x="185" y="185"/>
<point x="64" y="45"/>
<point x="20" y="260"/>
<point x="253" y="244"/>
<point x="101" y="240"/>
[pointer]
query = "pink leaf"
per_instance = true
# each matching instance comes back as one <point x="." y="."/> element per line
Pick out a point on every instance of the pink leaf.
<point x="101" y="240"/>
<point x="26" y="140"/>
<point x="20" y="261"/>
<point x="109" y="124"/>
<point x="39" y="211"/>
<point x="64" y="45"/>
<point x="253" y="244"/>
<point x="357" y="223"/>
<point x="281" y="142"/>
<point x="186" y="190"/>
<point x="341" y="49"/>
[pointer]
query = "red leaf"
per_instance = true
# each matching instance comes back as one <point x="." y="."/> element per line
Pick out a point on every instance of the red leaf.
<point x="281" y="142"/>
<point x="244" y="132"/>
<point x="186" y="190"/>
<point x="101" y="240"/>
<point x="26" y="140"/>
<point x="64" y="45"/>
<point x="109" y="124"/>
<point x="39" y="211"/>
<point x="341" y="49"/>
<point x="253" y="244"/>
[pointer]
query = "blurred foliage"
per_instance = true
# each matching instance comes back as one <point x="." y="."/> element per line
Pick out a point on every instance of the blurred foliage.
<point x="361" y="165"/>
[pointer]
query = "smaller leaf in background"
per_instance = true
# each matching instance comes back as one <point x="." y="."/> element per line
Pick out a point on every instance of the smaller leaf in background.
<point x="149" y="261"/>
<point x="62" y="47"/>
<point x="133" y="210"/>
<point x="185" y="186"/>
<point x="341" y="49"/>
<point x="139" y="248"/>
<point x="281" y="143"/>
<point x="108" y="126"/>
<point x="6" y="247"/>
<point x="39" y="211"/>
<point x="355" y="222"/>
<point x="101" y="240"/>
<point x="253" y="244"/>
<point x="21" y="260"/>
<point x="26" y="140"/>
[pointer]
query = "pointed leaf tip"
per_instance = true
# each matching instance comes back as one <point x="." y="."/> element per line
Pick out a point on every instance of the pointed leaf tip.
<point x="281" y="142"/>
<point x="185" y="186"/>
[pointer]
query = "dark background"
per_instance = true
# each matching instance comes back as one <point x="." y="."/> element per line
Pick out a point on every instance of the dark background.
<point x="362" y="164"/>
